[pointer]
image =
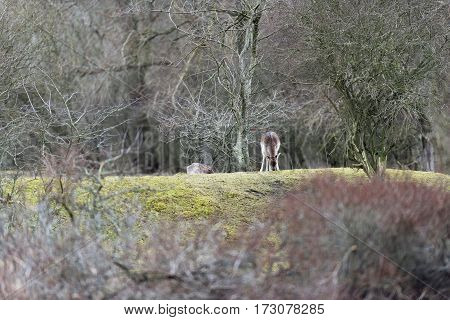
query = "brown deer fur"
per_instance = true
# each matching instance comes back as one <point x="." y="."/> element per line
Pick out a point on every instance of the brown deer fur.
<point x="270" y="144"/>
<point x="199" y="168"/>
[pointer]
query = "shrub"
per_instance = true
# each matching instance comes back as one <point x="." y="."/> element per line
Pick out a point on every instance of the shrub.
<point x="328" y="239"/>
<point x="370" y="239"/>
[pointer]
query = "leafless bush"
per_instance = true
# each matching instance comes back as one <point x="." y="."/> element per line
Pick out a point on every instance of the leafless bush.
<point x="331" y="239"/>
<point x="374" y="240"/>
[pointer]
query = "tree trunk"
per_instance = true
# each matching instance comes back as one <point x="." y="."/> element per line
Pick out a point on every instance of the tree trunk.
<point x="427" y="155"/>
<point x="246" y="44"/>
<point x="373" y="162"/>
<point x="240" y="149"/>
<point x="381" y="165"/>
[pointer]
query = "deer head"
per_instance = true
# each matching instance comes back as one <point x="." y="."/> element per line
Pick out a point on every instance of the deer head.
<point x="273" y="162"/>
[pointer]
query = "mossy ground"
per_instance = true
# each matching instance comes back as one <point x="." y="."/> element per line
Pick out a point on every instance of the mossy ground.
<point x="234" y="198"/>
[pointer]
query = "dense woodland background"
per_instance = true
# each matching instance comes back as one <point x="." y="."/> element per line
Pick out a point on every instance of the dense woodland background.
<point x="93" y="91"/>
<point x="151" y="86"/>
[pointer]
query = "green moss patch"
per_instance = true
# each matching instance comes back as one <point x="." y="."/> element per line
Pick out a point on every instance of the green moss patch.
<point x="234" y="198"/>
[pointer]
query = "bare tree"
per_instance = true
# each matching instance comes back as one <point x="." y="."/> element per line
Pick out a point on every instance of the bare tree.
<point x="225" y="37"/>
<point x="379" y="59"/>
<point x="199" y="81"/>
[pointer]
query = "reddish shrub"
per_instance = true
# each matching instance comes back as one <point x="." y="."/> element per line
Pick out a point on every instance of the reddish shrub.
<point x="369" y="239"/>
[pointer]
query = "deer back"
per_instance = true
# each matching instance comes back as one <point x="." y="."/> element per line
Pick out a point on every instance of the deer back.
<point x="270" y="142"/>
<point x="199" y="168"/>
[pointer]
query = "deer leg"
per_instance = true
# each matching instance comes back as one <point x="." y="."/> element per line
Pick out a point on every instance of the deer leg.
<point x="262" y="164"/>
<point x="278" y="155"/>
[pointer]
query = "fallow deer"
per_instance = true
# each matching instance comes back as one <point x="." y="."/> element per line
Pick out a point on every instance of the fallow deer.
<point x="270" y="144"/>
<point x="199" y="168"/>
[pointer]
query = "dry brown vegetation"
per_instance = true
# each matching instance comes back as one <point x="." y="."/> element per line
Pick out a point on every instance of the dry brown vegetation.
<point x="331" y="238"/>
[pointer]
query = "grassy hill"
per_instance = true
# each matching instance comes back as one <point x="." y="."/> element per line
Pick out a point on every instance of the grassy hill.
<point x="234" y="198"/>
